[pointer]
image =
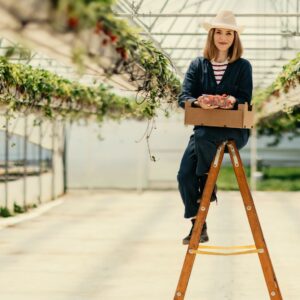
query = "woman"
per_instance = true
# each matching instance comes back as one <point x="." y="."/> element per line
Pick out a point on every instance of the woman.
<point x="220" y="71"/>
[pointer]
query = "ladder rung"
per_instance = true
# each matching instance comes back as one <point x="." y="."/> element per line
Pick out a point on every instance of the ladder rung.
<point x="224" y="253"/>
<point x="227" y="247"/>
<point x="252" y="249"/>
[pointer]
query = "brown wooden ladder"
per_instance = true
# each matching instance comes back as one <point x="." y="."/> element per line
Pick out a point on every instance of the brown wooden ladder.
<point x="260" y="246"/>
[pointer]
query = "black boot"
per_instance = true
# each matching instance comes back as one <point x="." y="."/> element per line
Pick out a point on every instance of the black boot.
<point x="203" y="237"/>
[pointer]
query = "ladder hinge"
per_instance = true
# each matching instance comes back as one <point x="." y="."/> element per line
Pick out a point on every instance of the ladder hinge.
<point x="235" y="159"/>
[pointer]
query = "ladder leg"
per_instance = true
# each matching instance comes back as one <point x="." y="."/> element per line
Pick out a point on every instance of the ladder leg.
<point x="264" y="257"/>
<point x="200" y="219"/>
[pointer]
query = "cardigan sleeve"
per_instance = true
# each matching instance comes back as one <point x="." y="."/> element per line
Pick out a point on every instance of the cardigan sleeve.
<point x="245" y="86"/>
<point x="189" y="86"/>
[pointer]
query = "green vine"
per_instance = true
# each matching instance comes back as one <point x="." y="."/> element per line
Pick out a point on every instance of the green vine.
<point x="148" y="68"/>
<point x="285" y="121"/>
<point x="23" y="87"/>
<point x="90" y="22"/>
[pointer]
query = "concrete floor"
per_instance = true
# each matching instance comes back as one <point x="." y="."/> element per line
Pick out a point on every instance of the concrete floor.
<point x="110" y="245"/>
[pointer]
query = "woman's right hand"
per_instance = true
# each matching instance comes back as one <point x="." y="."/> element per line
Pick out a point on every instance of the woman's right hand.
<point x="205" y="102"/>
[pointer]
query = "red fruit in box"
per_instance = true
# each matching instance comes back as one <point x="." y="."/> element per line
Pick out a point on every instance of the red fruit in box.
<point x="206" y="100"/>
<point x="229" y="101"/>
<point x="214" y="100"/>
<point x="222" y="101"/>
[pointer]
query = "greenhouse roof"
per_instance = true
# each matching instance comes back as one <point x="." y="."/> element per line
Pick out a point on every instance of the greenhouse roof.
<point x="271" y="37"/>
<point x="270" y="40"/>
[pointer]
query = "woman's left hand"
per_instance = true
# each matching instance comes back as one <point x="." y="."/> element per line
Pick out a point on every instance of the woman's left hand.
<point x="228" y="103"/>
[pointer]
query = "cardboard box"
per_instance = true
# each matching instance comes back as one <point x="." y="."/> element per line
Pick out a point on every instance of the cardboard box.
<point x="243" y="117"/>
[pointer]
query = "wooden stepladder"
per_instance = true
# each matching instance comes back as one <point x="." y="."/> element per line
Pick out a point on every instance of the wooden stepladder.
<point x="260" y="246"/>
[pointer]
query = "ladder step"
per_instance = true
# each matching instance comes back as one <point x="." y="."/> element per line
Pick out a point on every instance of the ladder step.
<point x="227" y="247"/>
<point x="225" y="253"/>
<point x="251" y="249"/>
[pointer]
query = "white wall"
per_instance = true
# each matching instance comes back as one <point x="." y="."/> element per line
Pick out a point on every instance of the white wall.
<point x="118" y="161"/>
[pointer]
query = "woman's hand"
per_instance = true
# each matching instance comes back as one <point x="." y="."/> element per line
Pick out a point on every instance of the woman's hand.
<point x="215" y="101"/>
<point x="206" y="102"/>
<point x="228" y="102"/>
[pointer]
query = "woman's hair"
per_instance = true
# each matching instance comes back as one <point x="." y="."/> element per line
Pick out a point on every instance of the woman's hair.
<point x="234" y="52"/>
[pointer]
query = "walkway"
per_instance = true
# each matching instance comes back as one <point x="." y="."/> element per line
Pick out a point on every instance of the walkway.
<point x="111" y="245"/>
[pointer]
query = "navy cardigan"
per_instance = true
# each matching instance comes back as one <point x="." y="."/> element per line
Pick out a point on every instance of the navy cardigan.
<point x="236" y="81"/>
<point x="199" y="79"/>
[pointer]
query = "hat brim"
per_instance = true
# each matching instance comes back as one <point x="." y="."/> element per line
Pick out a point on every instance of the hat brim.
<point x="207" y="26"/>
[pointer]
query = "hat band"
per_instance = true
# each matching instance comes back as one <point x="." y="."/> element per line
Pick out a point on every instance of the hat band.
<point x="225" y="26"/>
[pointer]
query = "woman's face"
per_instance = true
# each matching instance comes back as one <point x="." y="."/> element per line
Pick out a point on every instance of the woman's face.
<point x="223" y="39"/>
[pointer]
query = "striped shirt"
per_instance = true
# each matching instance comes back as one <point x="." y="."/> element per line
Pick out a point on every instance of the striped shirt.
<point x="219" y="69"/>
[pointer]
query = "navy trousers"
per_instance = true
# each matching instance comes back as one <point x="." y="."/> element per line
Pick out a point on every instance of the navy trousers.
<point x="197" y="159"/>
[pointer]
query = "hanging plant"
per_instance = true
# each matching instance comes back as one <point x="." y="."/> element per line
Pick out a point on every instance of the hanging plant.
<point x="287" y="119"/>
<point x="115" y="46"/>
<point x="104" y="35"/>
<point x="24" y="88"/>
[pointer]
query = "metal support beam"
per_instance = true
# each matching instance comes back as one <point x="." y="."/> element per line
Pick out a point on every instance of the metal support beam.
<point x="199" y="15"/>
<point x="53" y="160"/>
<point x="64" y="156"/>
<point x="287" y="34"/>
<point x="6" y="151"/>
<point x="265" y="73"/>
<point x="254" y="48"/>
<point x="266" y="67"/>
<point x="147" y="32"/>
<point x="174" y="21"/>
<point x="249" y="58"/>
<point x="162" y="9"/>
<point x="40" y="164"/>
<point x="139" y="6"/>
<point x="269" y="72"/>
<point x="255" y="73"/>
<point x="25" y="159"/>
<point x="264" y="76"/>
<point x="186" y="28"/>
<point x="298" y="6"/>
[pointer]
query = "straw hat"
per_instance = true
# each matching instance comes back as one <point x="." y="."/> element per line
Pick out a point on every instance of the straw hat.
<point x="224" y="19"/>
